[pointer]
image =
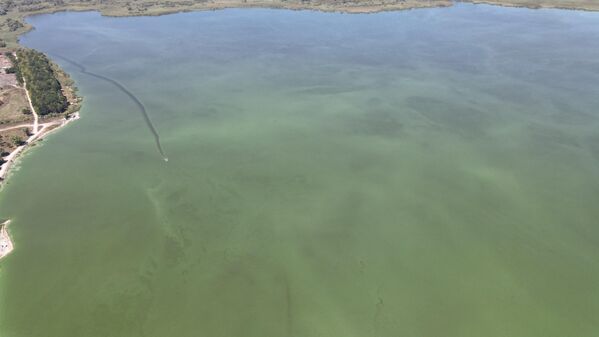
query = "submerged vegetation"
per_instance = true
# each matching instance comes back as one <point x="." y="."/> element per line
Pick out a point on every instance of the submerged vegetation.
<point x="44" y="88"/>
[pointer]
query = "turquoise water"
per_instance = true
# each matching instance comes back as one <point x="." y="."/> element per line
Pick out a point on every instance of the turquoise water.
<point x="422" y="173"/>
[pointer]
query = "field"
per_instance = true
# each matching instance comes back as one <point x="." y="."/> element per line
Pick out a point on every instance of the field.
<point x="12" y="97"/>
<point x="12" y="103"/>
<point x="7" y="139"/>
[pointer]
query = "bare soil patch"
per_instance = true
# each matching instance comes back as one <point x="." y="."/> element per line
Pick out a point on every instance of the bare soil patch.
<point x="14" y="107"/>
<point x="7" y="139"/>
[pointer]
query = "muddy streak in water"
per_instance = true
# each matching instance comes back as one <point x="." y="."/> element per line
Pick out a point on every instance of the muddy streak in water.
<point x="127" y="92"/>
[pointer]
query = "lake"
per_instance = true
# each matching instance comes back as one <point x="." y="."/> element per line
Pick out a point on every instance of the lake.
<point x="429" y="172"/>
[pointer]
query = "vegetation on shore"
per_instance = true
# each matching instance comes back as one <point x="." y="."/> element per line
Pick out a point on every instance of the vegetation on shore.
<point x="43" y="86"/>
<point x="69" y="90"/>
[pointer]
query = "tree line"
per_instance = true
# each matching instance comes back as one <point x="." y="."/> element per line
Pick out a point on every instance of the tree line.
<point x="45" y="90"/>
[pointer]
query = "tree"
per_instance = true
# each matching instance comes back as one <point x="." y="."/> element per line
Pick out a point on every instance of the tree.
<point x="18" y="141"/>
<point x="45" y="90"/>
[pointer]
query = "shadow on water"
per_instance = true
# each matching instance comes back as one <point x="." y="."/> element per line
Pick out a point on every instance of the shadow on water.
<point x="139" y="104"/>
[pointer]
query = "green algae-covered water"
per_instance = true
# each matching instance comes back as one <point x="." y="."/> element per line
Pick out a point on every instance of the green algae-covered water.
<point x="422" y="173"/>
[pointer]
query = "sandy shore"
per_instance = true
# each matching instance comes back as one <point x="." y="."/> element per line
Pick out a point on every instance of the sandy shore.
<point x="6" y="245"/>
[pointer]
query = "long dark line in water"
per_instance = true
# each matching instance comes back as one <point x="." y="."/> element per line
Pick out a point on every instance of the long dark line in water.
<point x="124" y="89"/>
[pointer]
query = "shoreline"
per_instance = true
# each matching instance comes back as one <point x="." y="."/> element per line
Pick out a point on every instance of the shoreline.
<point x="6" y="244"/>
<point x="46" y="129"/>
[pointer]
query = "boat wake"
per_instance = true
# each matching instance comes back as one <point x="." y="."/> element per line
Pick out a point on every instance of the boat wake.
<point x="126" y="91"/>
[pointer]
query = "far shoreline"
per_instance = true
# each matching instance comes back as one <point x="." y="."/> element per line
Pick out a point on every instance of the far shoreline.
<point x="117" y="10"/>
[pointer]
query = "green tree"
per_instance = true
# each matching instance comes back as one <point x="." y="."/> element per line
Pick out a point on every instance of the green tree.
<point x="45" y="90"/>
<point x="18" y="141"/>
